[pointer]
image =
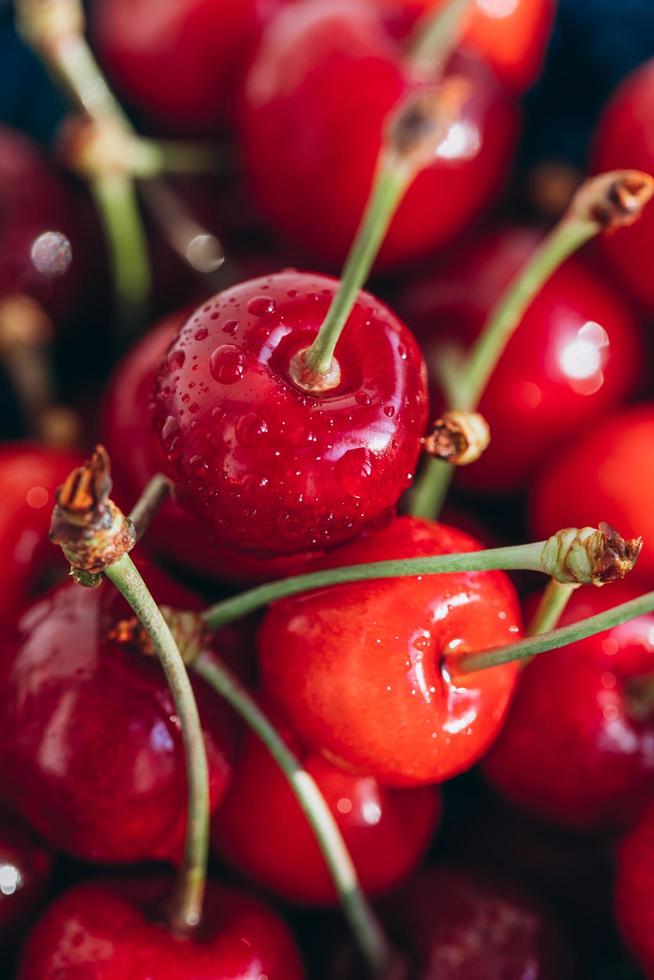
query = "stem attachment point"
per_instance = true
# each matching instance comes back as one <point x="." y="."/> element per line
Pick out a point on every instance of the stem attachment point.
<point x="458" y="437"/>
<point x="589" y="555"/>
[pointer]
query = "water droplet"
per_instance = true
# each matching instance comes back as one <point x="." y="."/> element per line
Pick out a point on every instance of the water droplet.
<point x="194" y="408"/>
<point x="169" y="430"/>
<point x="291" y="293"/>
<point x="198" y="465"/>
<point x="362" y="398"/>
<point x="176" y="359"/>
<point x="352" y="469"/>
<point x="250" y="428"/>
<point x="202" y="333"/>
<point x="261" y="306"/>
<point x="230" y="327"/>
<point x="227" y="364"/>
<point x="389" y="410"/>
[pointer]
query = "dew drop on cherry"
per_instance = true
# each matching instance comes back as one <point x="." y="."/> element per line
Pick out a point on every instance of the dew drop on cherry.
<point x="227" y="364"/>
<point x="352" y="469"/>
<point x="176" y="360"/>
<point x="230" y="327"/>
<point x="261" y="306"/>
<point x="250" y="428"/>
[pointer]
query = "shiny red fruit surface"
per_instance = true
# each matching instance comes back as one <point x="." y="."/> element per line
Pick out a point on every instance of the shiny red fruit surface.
<point x="265" y="466"/>
<point x="360" y="670"/>
<point x="25" y="869"/>
<point x="625" y="138"/>
<point x="91" y="753"/>
<point x="577" y="351"/>
<point x="578" y="745"/>
<point x="260" y="830"/>
<point x="324" y="79"/>
<point x="112" y="930"/>
<point x="633" y="896"/>
<point x="606" y="474"/>
<point x="29" y="477"/>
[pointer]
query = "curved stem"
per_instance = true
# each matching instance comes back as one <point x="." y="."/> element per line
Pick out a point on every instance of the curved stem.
<point x="550" y="608"/>
<point x="435" y="37"/>
<point x="553" y="640"/>
<point x="175" y="157"/>
<point x="145" y="508"/>
<point x="187" y="902"/>
<point x="363" y="922"/>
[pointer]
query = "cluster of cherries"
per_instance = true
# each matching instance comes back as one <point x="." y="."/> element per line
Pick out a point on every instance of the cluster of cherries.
<point x="277" y="471"/>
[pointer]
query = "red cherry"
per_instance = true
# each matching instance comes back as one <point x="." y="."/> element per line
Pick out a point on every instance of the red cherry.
<point x="358" y="668"/>
<point x="110" y="930"/>
<point x="634" y="908"/>
<point x="469" y="925"/>
<point x="577" y="351"/>
<point x="91" y="753"/>
<point x="625" y="138"/>
<point x="511" y="37"/>
<point x="577" y="747"/>
<point x="260" y="829"/>
<point x="607" y="474"/>
<point x="325" y="77"/>
<point x="29" y="477"/>
<point x="266" y="466"/>
<point x="180" y="61"/>
<point x="174" y="534"/>
<point x="25" y="868"/>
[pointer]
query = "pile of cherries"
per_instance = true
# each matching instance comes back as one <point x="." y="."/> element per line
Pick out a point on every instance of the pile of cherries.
<point x="500" y="821"/>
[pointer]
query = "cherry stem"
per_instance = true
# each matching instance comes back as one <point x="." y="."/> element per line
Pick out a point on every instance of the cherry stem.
<point x="144" y="510"/>
<point x="363" y="922"/>
<point x="175" y="157"/>
<point x="586" y="555"/>
<point x="435" y="37"/>
<point x="554" y="639"/>
<point x="186" y="906"/>
<point x="193" y="243"/>
<point x="550" y="608"/>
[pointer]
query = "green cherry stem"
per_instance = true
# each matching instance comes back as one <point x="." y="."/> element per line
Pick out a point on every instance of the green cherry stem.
<point x="604" y="202"/>
<point x="435" y="36"/>
<point x="588" y="555"/>
<point x="362" y="920"/>
<point x="186" y="908"/>
<point x="550" y="608"/>
<point x="554" y="639"/>
<point x="143" y="511"/>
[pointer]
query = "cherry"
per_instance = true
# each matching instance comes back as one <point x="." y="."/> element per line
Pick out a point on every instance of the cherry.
<point x="111" y="930"/>
<point x="29" y="477"/>
<point x="634" y="908"/>
<point x="465" y="924"/>
<point x="510" y="37"/>
<point x="25" y="868"/>
<point x="266" y="466"/>
<point x="179" y="62"/>
<point x="174" y="534"/>
<point x="260" y="829"/>
<point x="606" y="474"/>
<point x="576" y="352"/>
<point x="358" y="669"/>
<point x="577" y="747"/>
<point x="324" y="78"/>
<point x="625" y="137"/>
<point x="91" y="753"/>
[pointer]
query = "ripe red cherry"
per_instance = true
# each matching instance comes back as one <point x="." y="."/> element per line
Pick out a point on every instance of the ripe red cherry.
<point x="179" y="62"/>
<point x="606" y="474"/>
<point x="510" y="37"/>
<point x="91" y="753"/>
<point x="173" y="534"/>
<point x="468" y="925"/>
<point x="325" y="76"/>
<point x="264" y="465"/>
<point x="260" y="830"/>
<point x="359" y="669"/>
<point x="29" y="477"/>
<point x="111" y="930"/>
<point x="577" y="745"/>
<point x="577" y="351"/>
<point x="25" y="868"/>
<point x="626" y="138"/>
<point x="634" y="907"/>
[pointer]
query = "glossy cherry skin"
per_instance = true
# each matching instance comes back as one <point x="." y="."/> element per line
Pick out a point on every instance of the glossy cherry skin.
<point x="633" y="895"/>
<point x="359" y="669"/>
<point x="510" y="37"/>
<point x="112" y="929"/>
<point x="265" y="466"/>
<point x="464" y="924"/>
<point x="91" y="753"/>
<point x="29" y="477"/>
<point x="174" y="534"/>
<point x="325" y="77"/>
<point x="260" y="830"/>
<point x="33" y="203"/>
<point x="625" y="138"/>
<point x="180" y="61"/>
<point x="577" y="351"/>
<point x="577" y="748"/>
<point x="606" y="474"/>
<point x="25" y="869"/>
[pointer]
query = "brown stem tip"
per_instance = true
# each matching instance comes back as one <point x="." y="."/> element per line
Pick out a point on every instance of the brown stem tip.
<point x="92" y="531"/>
<point x="458" y="437"/>
<point x="191" y="634"/>
<point x="422" y="120"/>
<point x="613" y="199"/>
<point x="589" y="555"/>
